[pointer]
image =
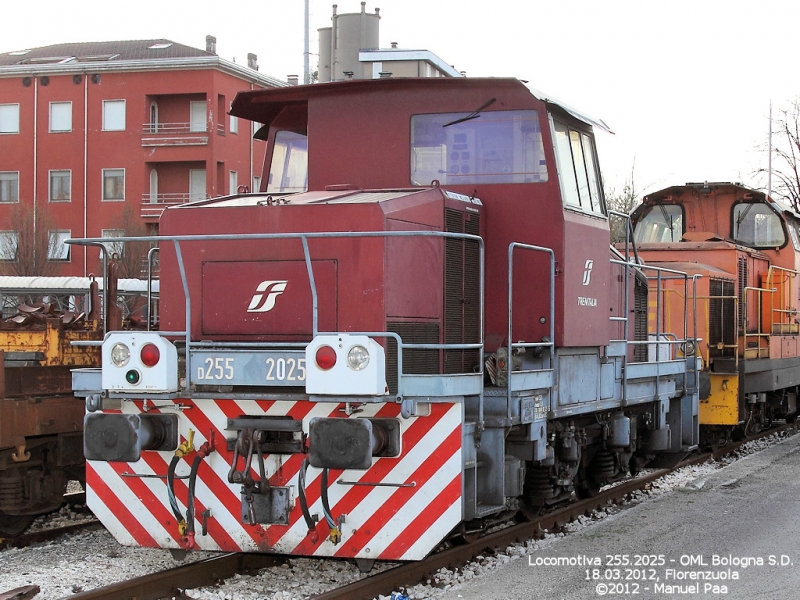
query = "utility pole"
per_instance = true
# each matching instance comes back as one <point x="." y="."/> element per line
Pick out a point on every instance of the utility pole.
<point x="769" y="157"/>
<point x="306" y="73"/>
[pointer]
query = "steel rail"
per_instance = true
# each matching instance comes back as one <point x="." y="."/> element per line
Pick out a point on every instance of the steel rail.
<point x="167" y="584"/>
<point x="211" y="571"/>
<point x="410" y="574"/>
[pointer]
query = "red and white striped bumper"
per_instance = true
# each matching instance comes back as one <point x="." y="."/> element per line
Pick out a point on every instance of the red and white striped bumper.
<point x="398" y="509"/>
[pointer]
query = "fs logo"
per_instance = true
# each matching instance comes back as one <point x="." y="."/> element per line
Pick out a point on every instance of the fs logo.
<point x="265" y="303"/>
<point x="587" y="274"/>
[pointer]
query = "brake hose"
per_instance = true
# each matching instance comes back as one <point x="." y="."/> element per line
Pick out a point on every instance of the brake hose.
<point x="335" y="535"/>
<point x="301" y="494"/>
<point x="182" y="451"/>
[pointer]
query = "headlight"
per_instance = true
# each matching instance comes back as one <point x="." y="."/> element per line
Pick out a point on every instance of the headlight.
<point x="357" y="358"/>
<point x="120" y="355"/>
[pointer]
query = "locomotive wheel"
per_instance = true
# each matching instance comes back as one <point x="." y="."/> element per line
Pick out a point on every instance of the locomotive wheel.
<point x="586" y="489"/>
<point x="466" y="535"/>
<point x="13" y="525"/>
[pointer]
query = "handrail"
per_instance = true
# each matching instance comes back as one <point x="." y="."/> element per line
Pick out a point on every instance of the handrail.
<point x="785" y="300"/>
<point x="630" y="242"/>
<point x="167" y="198"/>
<point x="160" y="128"/>
<point x="150" y="260"/>
<point x="662" y="274"/>
<point x="178" y="240"/>
<point x="719" y="345"/>
<point x="759" y="335"/>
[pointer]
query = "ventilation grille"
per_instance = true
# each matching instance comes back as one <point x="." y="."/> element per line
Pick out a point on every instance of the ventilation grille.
<point x="416" y="362"/>
<point x="640" y="317"/>
<point x="721" y="326"/>
<point x="461" y="282"/>
<point x="742" y="285"/>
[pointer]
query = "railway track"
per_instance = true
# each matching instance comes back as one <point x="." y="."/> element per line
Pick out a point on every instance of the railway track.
<point x="77" y="502"/>
<point x="170" y="583"/>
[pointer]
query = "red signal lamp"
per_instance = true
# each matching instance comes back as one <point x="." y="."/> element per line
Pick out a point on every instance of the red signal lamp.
<point x="150" y="355"/>
<point x="325" y="357"/>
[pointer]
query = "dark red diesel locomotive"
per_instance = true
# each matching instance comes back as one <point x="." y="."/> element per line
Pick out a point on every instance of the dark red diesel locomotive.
<point x="415" y="328"/>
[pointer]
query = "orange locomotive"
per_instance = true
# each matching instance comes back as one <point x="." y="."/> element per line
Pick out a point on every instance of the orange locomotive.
<point x="745" y="248"/>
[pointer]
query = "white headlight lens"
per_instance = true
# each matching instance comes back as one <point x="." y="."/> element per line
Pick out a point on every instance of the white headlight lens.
<point x="357" y="358"/>
<point x="120" y="355"/>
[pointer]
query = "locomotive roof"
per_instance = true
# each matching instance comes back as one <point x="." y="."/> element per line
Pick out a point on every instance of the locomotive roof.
<point x="262" y="106"/>
<point x="349" y="196"/>
<point x="676" y="191"/>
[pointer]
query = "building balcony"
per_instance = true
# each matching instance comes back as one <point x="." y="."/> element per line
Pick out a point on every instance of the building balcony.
<point x="152" y="207"/>
<point x="173" y="134"/>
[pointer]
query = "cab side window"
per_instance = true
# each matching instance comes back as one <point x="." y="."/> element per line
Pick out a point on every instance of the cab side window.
<point x="577" y="169"/>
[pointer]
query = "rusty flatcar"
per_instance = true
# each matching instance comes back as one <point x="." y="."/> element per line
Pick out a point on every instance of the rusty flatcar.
<point x="41" y="421"/>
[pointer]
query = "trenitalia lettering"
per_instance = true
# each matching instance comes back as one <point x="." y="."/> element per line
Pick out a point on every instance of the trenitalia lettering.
<point x="587" y="301"/>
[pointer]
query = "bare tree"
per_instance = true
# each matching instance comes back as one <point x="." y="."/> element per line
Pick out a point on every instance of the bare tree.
<point x="29" y="250"/>
<point x="131" y="257"/>
<point x="131" y="261"/>
<point x="623" y="202"/>
<point x="786" y="155"/>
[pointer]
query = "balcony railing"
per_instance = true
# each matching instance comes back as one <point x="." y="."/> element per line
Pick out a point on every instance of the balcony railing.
<point x="152" y="207"/>
<point x="173" y="134"/>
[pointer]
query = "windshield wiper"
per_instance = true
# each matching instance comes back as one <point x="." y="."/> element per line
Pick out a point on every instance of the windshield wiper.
<point x="669" y="222"/>
<point x="740" y="219"/>
<point x="473" y="115"/>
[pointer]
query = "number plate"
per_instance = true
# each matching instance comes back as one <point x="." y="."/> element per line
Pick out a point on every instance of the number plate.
<point x="248" y="367"/>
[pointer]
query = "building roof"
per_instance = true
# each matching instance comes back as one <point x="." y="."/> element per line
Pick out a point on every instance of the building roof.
<point x="399" y="54"/>
<point x="126" y="55"/>
<point x="100" y="52"/>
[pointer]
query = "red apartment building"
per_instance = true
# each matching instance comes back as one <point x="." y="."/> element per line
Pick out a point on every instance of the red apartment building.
<point x="93" y="133"/>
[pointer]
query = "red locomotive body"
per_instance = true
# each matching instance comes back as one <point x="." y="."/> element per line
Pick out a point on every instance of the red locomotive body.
<point x="414" y="329"/>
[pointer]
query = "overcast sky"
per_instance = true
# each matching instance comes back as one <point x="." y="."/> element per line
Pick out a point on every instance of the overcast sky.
<point x="686" y="85"/>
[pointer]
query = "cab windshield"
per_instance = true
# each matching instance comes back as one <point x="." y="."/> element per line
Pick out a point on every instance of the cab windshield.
<point x="486" y="147"/>
<point x="757" y="226"/>
<point x="288" y="171"/>
<point x="660" y="223"/>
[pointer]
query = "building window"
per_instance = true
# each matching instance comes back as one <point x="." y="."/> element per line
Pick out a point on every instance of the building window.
<point x="60" y="116"/>
<point x="114" y="247"/>
<point x="233" y="182"/>
<point x="153" y="117"/>
<point x="57" y="249"/>
<point x="234" y="123"/>
<point x="60" y="186"/>
<point x="9" y="241"/>
<point x="9" y="118"/>
<point x="9" y="186"/>
<point x="197" y="184"/>
<point x="197" y="116"/>
<point x="113" y="115"/>
<point x="113" y="184"/>
<point x="256" y="184"/>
